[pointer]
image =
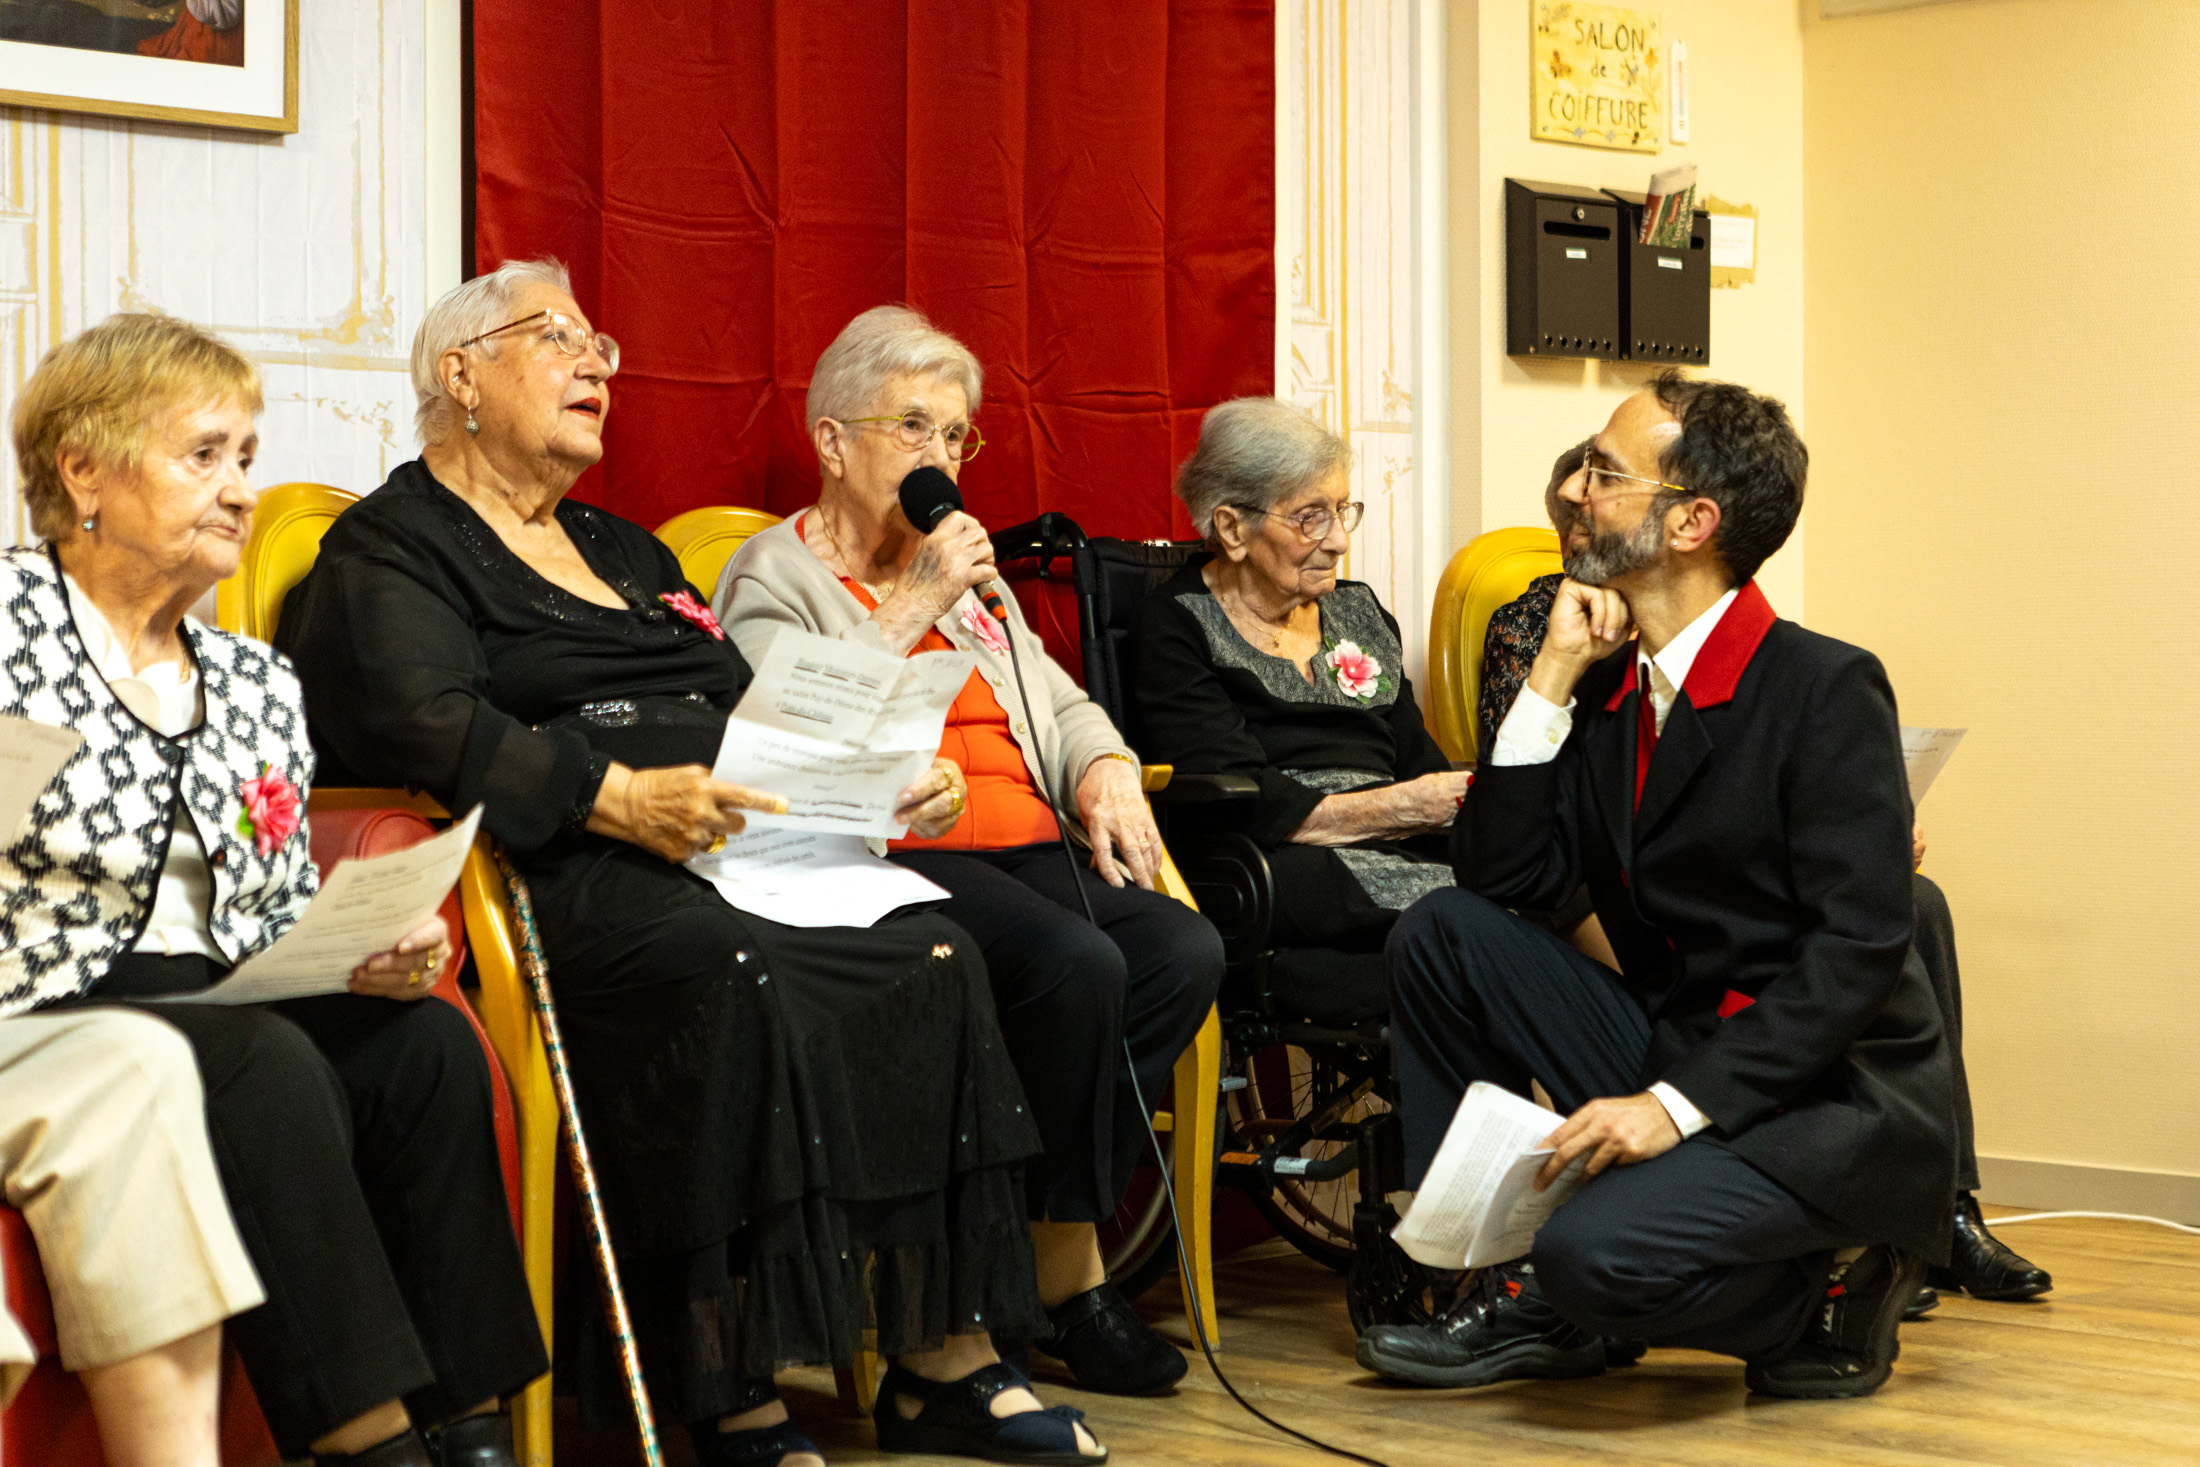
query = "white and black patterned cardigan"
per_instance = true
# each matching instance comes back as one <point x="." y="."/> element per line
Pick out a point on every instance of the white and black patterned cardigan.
<point x="77" y="887"/>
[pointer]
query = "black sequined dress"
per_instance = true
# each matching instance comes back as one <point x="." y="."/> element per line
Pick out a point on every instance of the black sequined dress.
<point x="802" y="1132"/>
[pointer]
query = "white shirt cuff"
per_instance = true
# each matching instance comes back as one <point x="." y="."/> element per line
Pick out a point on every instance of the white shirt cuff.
<point x="1686" y="1118"/>
<point x="1533" y="731"/>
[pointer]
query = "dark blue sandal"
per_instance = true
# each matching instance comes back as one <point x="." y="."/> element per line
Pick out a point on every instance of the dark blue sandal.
<point x="954" y="1420"/>
<point x="761" y="1446"/>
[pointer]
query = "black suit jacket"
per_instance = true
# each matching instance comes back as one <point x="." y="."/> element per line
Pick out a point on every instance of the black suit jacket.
<point x="1766" y="876"/>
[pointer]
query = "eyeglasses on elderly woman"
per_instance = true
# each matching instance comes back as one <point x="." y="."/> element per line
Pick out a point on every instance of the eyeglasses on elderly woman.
<point x="914" y="430"/>
<point x="564" y="333"/>
<point x="1313" y="522"/>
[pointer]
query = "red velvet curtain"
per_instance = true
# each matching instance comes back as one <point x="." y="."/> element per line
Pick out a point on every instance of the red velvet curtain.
<point x="1083" y="193"/>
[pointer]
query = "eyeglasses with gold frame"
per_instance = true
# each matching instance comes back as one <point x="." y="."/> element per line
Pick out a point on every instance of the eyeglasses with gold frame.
<point x="564" y="333"/>
<point x="914" y="430"/>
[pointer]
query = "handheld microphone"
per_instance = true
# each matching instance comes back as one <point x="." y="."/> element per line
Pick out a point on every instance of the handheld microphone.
<point x="928" y="496"/>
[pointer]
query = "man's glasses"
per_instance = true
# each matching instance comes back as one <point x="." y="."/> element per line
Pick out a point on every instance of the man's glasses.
<point x="1597" y="477"/>
<point x="914" y="430"/>
<point x="564" y="333"/>
<point x="1313" y="523"/>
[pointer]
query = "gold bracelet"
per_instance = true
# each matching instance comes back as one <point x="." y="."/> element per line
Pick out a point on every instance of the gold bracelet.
<point x="1127" y="759"/>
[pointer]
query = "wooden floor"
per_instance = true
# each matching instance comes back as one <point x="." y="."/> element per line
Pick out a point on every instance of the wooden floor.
<point x="2105" y="1372"/>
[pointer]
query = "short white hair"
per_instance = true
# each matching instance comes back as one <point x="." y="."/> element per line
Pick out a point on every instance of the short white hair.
<point x="465" y="312"/>
<point x="1253" y="453"/>
<point x="882" y="343"/>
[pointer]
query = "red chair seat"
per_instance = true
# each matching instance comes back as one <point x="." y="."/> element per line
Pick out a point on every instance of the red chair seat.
<point x="50" y="1423"/>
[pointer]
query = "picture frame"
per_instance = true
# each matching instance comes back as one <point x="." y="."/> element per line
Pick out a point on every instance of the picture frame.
<point x="213" y="63"/>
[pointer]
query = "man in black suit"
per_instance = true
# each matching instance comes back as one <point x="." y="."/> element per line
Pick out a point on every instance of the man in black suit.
<point x="1762" y="1094"/>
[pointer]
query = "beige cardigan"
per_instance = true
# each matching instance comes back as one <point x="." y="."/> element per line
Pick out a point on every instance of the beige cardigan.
<point x="774" y="581"/>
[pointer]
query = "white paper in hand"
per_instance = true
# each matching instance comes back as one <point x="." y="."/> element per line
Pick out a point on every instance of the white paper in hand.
<point x="1477" y="1205"/>
<point x="808" y="878"/>
<point x="839" y="729"/>
<point x="363" y="908"/>
<point x="31" y="754"/>
<point x="1925" y="752"/>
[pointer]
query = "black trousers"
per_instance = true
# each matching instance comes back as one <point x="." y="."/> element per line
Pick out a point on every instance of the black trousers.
<point x="1694" y="1248"/>
<point x="356" y="1144"/>
<point x="1069" y="996"/>
<point x="1936" y="944"/>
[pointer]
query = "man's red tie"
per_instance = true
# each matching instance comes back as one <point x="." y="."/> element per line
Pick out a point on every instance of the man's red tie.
<point x="1646" y="729"/>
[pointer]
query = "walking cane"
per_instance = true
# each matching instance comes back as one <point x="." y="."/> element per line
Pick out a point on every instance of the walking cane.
<point x="584" y="1170"/>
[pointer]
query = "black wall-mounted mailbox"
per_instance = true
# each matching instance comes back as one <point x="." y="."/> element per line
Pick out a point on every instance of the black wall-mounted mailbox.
<point x="1664" y="292"/>
<point x="1563" y="272"/>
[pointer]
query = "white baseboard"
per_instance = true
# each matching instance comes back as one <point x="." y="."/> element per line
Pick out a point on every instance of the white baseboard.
<point x="2056" y="1186"/>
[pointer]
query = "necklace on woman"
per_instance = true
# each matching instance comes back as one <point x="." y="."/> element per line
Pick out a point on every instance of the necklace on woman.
<point x="1244" y="615"/>
<point x="878" y="592"/>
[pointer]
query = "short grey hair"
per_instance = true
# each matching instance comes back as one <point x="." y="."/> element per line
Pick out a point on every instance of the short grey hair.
<point x="1254" y="452"/>
<point x="886" y="342"/>
<point x="465" y="312"/>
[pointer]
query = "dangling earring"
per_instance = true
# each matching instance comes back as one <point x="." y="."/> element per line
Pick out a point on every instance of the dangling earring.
<point x="91" y="523"/>
<point x="471" y="425"/>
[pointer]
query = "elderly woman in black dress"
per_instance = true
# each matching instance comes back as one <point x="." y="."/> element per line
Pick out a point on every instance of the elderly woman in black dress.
<point x="1257" y="660"/>
<point x="804" y="1132"/>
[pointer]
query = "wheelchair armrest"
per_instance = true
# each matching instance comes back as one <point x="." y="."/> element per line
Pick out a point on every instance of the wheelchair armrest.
<point x="1204" y="789"/>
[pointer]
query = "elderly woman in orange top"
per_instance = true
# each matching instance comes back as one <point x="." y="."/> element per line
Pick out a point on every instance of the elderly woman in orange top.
<point x="890" y="394"/>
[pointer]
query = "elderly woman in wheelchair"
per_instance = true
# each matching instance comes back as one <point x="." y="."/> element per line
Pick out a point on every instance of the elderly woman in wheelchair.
<point x="1256" y="660"/>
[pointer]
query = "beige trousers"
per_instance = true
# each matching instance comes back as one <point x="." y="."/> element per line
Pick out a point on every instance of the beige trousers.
<point x="103" y="1149"/>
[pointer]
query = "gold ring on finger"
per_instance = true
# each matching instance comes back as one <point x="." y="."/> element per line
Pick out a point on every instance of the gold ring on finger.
<point x="717" y="844"/>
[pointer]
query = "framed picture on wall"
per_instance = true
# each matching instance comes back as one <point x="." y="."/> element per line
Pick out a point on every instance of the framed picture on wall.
<point x="218" y="63"/>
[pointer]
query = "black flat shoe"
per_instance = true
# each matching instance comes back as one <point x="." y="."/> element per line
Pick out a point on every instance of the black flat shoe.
<point x="405" y="1449"/>
<point x="1850" y="1345"/>
<point x="473" y="1441"/>
<point x="1983" y="1266"/>
<point x="1927" y="1300"/>
<point x="1499" y="1328"/>
<point x="760" y="1446"/>
<point x="1108" y="1348"/>
<point x="953" y="1421"/>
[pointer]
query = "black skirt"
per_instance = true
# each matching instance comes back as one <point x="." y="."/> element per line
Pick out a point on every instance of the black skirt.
<point x="801" y="1133"/>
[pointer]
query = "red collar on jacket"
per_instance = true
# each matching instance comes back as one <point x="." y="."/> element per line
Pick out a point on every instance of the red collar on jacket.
<point x="1726" y="652"/>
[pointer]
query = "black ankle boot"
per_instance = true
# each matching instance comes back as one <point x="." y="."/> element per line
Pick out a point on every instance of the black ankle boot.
<point x="473" y="1441"/>
<point x="1983" y="1266"/>
<point x="1108" y="1348"/>
<point x="405" y="1449"/>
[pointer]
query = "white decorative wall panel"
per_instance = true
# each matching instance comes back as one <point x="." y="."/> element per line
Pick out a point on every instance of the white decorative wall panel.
<point x="306" y="251"/>
<point x="1345" y="144"/>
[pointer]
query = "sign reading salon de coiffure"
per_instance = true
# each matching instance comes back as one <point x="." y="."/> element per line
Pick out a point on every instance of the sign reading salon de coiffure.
<point x="1599" y="76"/>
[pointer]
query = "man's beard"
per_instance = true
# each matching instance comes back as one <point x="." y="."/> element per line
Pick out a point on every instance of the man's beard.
<point x="1614" y="553"/>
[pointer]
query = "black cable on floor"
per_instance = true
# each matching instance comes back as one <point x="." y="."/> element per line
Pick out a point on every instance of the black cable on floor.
<point x="1168" y="1186"/>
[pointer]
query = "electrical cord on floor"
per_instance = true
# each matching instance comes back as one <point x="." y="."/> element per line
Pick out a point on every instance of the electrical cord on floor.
<point x="2025" y="1217"/>
<point x="1168" y="1188"/>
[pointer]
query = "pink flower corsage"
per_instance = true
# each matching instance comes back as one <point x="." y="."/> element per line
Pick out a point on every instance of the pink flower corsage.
<point x="271" y="805"/>
<point x="985" y="628"/>
<point x="1359" y="675"/>
<point x="695" y="611"/>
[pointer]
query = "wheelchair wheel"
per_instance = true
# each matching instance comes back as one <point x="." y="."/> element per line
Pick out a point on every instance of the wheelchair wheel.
<point x="1286" y="1084"/>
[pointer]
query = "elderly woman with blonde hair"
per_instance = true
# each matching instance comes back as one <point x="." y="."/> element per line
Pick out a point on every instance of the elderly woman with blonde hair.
<point x="353" y="1131"/>
<point x="804" y="1132"/>
<point x="1256" y="659"/>
<point x="892" y="394"/>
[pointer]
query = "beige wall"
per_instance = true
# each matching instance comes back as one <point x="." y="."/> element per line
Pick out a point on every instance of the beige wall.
<point x="1509" y="417"/>
<point x="2001" y="314"/>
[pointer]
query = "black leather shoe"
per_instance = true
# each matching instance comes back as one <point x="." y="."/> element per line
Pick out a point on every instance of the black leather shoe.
<point x="1983" y="1266"/>
<point x="1499" y="1328"/>
<point x="1107" y="1347"/>
<point x="1849" y="1347"/>
<point x="405" y="1449"/>
<point x="473" y="1441"/>
<point x="1927" y="1300"/>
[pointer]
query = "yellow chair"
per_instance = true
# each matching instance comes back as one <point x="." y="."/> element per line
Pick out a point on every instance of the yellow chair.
<point x="286" y="536"/>
<point x="704" y="540"/>
<point x="1492" y="570"/>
